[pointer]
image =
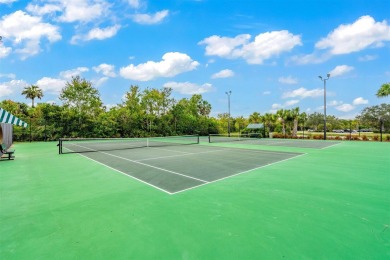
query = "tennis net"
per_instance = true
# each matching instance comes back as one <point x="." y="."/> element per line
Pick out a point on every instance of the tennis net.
<point x="83" y="145"/>
<point x="220" y="138"/>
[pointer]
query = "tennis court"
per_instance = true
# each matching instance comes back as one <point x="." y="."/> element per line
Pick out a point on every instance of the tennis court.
<point x="331" y="203"/>
<point x="315" y="144"/>
<point x="172" y="164"/>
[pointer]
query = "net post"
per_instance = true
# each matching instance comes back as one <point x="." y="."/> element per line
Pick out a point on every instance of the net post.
<point x="59" y="146"/>
<point x="209" y="138"/>
<point x="197" y="139"/>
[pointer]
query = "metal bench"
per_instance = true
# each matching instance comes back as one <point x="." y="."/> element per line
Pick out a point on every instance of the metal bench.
<point x="7" y="154"/>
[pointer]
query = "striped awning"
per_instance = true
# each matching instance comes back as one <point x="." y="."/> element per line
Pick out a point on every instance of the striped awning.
<point x="8" y="118"/>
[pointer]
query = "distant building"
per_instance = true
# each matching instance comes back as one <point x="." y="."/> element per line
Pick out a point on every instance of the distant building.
<point x="255" y="126"/>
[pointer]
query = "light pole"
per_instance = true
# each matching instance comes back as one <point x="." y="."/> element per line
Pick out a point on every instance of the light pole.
<point x="228" y="93"/>
<point x="324" y="80"/>
<point x="30" y="129"/>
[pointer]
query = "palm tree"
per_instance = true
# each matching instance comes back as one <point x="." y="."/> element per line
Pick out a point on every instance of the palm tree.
<point x="240" y="123"/>
<point x="294" y="113"/>
<point x="268" y="120"/>
<point x="384" y="90"/>
<point x="255" y="118"/>
<point x="32" y="92"/>
<point x="283" y="116"/>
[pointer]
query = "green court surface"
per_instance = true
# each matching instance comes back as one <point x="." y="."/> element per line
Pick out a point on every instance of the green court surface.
<point x="276" y="202"/>
<point x="315" y="144"/>
<point x="178" y="168"/>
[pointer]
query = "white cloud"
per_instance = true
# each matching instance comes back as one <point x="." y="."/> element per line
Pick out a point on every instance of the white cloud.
<point x="135" y="3"/>
<point x="70" y="11"/>
<point x="264" y="46"/>
<point x="5" y="51"/>
<point x="68" y="74"/>
<point x="291" y="102"/>
<point x="100" y="81"/>
<point x="9" y="75"/>
<point x="7" y="1"/>
<point x="345" y="107"/>
<point x="82" y="10"/>
<point x="368" y="58"/>
<point x="188" y="87"/>
<point x="150" y="19"/>
<point x="266" y="92"/>
<point x="340" y="70"/>
<point x="303" y="93"/>
<point x="13" y="86"/>
<point x="223" y="74"/>
<point x="5" y="90"/>
<point x="363" y="33"/>
<point x="333" y="103"/>
<point x="224" y="46"/>
<point x="42" y="10"/>
<point x="51" y="85"/>
<point x="26" y="32"/>
<point x="360" y="101"/>
<point x="106" y="70"/>
<point x="97" y="34"/>
<point x="309" y="58"/>
<point x="172" y="64"/>
<point x="288" y="80"/>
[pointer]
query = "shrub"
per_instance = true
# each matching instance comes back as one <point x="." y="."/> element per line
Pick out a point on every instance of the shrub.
<point x="364" y="138"/>
<point x="355" y="137"/>
<point x="277" y="135"/>
<point x="338" y="137"/>
<point x="387" y="137"/>
<point x="318" y="137"/>
<point x="375" y="137"/>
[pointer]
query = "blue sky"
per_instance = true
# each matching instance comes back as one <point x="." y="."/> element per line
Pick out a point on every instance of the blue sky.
<point x="268" y="53"/>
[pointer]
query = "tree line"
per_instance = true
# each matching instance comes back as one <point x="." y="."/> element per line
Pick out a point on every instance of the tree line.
<point x="154" y="112"/>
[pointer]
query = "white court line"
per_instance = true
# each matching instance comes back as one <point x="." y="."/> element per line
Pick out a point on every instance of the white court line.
<point x="127" y="175"/>
<point x="163" y="149"/>
<point x="173" y="156"/>
<point x="196" y="186"/>
<point x="227" y="177"/>
<point x="260" y="151"/>
<point x="330" y="145"/>
<point x="155" y="167"/>
<point x="148" y="165"/>
<point x="271" y="143"/>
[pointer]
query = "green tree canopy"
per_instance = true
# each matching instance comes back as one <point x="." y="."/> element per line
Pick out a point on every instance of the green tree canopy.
<point x="255" y="118"/>
<point x="375" y="114"/>
<point x="384" y="90"/>
<point x="82" y="106"/>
